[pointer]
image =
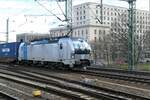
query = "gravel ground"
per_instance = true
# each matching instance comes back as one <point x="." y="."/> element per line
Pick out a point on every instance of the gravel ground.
<point x="94" y="79"/>
<point x="119" y="85"/>
<point x="24" y="92"/>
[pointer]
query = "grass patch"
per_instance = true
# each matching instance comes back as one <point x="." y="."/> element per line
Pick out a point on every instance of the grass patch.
<point x="139" y="67"/>
<point x="144" y="67"/>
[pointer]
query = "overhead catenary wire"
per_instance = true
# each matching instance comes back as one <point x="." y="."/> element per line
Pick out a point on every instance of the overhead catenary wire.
<point x="61" y="9"/>
<point x="65" y="15"/>
<point x="50" y="11"/>
<point x="95" y="15"/>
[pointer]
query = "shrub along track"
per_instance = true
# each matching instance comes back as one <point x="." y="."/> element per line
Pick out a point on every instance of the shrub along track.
<point x="87" y="89"/>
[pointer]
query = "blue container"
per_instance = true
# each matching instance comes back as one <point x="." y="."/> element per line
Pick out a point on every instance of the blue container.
<point x="9" y="51"/>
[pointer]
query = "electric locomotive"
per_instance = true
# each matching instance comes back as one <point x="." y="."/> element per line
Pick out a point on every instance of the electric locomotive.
<point x="65" y="51"/>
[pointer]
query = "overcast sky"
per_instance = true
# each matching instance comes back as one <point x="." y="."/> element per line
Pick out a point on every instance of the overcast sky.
<point x="16" y="9"/>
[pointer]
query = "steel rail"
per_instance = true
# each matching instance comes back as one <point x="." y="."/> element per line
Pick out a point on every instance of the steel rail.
<point x="116" y="94"/>
<point x="143" y="73"/>
<point x="45" y="87"/>
<point x="83" y="84"/>
<point x="7" y="96"/>
<point x="95" y="94"/>
<point x="115" y="75"/>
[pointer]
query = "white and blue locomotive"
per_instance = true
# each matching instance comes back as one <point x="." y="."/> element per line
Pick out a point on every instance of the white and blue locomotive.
<point x="66" y="51"/>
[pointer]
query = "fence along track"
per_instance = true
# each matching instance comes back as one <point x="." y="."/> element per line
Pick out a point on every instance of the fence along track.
<point x="114" y="94"/>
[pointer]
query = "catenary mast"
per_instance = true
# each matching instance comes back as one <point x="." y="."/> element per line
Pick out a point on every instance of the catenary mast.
<point x="131" y="33"/>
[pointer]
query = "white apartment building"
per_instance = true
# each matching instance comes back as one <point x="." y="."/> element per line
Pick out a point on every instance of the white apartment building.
<point x="86" y="25"/>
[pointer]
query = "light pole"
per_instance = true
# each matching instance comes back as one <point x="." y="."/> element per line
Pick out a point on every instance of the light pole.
<point x="7" y="29"/>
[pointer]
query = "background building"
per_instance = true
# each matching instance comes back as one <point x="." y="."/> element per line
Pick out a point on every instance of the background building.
<point x="28" y="37"/>
<point x="115" y="20"/>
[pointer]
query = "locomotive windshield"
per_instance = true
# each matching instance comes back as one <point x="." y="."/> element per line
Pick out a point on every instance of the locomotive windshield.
<point x="81" y="47"/>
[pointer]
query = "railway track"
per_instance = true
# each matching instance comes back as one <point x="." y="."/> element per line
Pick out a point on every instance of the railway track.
<point x="137" y="77"/>
<point x="45" y="86"/>
<point x="91" y="90"/>
<point x="143" y="73"/>
<point x="5" y="96"/>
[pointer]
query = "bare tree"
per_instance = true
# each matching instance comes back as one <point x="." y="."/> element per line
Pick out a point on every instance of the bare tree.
<point x="119" y="39"/>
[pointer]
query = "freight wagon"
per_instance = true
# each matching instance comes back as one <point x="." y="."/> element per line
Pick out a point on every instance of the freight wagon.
<point x="9" y="52"/>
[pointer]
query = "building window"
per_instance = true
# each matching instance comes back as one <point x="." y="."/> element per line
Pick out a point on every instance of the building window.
<point x="86" y="32"/>
<point x="95" y="31"/>
<point x="99" y="32"/>
<point x="77" y="18"/>
<point x="96" y="11"/>
<point x="80" y="12"/>
<point x="99" y="38"/>
<point x="111" y="13"/>
<point x="84" y="17"/>
<point x="84" y="11"/>
<point x="104" y="12"/>
<point x="82" y="32"/>
<point x="83" y="22"/>
<point x="107" y="18"/>
<point x="111" y="18"/>
<point x="104" y="18"/>
<point x="104" y="32"/>
<point x="108" y="13"/>
<point x="78" y="33"/>
<point x="95" y="39"/>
